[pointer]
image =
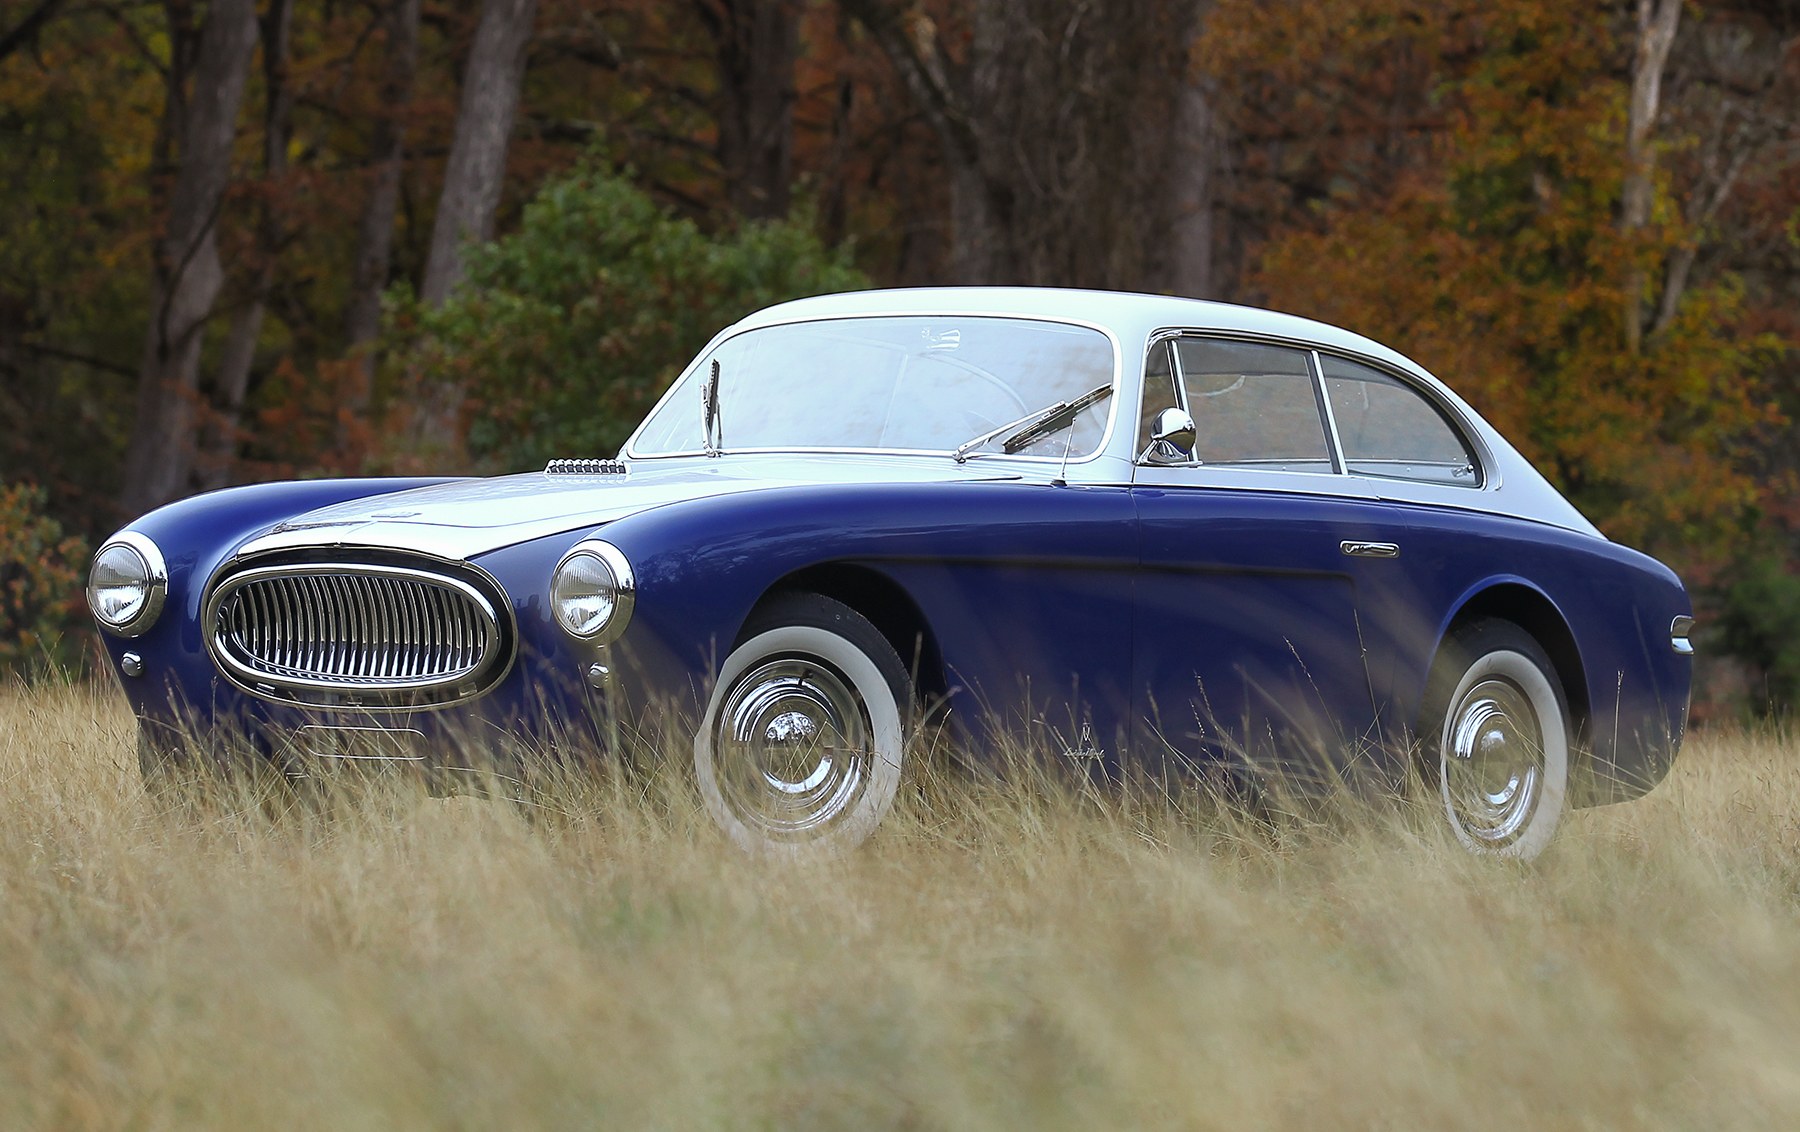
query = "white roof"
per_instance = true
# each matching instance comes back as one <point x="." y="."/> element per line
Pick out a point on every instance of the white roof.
<point x="1127" y="314"/>
<point x="1515" y="487"/>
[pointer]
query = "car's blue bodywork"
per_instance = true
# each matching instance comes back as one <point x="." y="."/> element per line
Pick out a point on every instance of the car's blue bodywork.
<point x="1153" y="624"/>
<point x="1140" y="619"/>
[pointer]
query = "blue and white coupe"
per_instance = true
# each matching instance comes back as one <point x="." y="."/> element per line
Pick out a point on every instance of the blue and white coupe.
<point x="1153" y="535"/>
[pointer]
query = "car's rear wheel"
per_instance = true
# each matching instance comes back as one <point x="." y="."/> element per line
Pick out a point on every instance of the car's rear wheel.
<point x="803" y="739"/>
<point x="1496" y="729"/>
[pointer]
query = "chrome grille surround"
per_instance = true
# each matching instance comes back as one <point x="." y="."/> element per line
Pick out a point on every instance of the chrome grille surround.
<point x="357" y="634"/>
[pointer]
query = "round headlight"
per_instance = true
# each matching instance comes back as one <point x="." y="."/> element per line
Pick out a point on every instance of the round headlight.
<point x="127" y="584"/>
<point x="592" y="591"/>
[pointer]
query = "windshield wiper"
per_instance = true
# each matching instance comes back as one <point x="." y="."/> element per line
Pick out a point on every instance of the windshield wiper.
<point x="1032" y="427"/>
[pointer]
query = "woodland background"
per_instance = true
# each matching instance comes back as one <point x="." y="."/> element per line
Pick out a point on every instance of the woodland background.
<point x="242" y="240"/>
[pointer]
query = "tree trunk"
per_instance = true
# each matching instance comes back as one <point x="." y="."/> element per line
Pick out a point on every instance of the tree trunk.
<point x="472" y="181"/>
<point x="1656" y="24"/>
<point x="1049" y="114"/>
<point x="484" y="122"/>
<point x="1192" y="186"/>
<point x="947" y="94"/>
<point x="239" y="354"/>
<point x="756" y="43"/>
<point x="375" y="232"/>
<point x="187" y="274"/>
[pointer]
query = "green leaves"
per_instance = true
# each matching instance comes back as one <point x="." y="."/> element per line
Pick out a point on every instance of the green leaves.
<point x="566" y="332"/>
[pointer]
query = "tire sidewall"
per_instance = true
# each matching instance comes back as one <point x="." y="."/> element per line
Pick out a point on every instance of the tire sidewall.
<point x="880" y="701"/>
<point x="1505" y="653"/>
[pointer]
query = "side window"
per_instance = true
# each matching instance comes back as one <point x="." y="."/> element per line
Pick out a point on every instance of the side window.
<point x="1159" y="394"/>
<point x="1390" y="429"/>
<point x="1253" y="405"/>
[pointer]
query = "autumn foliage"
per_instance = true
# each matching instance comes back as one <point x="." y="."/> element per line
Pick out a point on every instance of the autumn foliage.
<point x="1583" y="217"/>
<point x="41" y="610"/>
<point x="1499" y="261"/>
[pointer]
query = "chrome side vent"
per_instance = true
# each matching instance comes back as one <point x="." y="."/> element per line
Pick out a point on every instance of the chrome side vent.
<point x="360" y="634"/>
<point x="585" y="468"/>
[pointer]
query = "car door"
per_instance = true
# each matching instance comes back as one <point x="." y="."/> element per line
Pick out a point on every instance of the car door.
<point x="1247" y="644"/>
<point x="1403" y="446"/>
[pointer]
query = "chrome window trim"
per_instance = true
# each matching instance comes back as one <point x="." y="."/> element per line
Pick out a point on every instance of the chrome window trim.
<point x="156" y="570"/>
<point x="629" y="451"/>
<point x="1486" y="467"/>
<point x="1178" y="377"/>
<point x="1234" y="477"/>
<point x="1321" y="403"/>
<point x="1332" y="439"/>
<point x="1487" y="464"/>
<point x="1140" y="440"/>
<point x="476" y="681"/>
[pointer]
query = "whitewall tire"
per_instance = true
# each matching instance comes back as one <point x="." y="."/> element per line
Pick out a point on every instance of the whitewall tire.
<point x="1497" y="731"/>
<point x="803" y="740"/>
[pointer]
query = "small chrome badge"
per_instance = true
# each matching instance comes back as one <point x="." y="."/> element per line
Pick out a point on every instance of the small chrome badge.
<point x="1084" y="750"/>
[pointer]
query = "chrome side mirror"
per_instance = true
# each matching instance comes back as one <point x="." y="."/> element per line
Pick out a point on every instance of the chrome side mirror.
<point x="1171" y="436"/>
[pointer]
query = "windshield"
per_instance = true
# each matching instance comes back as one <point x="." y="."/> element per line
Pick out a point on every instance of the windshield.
<point x="919" y="384"/>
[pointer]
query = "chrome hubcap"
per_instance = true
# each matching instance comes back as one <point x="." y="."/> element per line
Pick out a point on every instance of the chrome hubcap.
<point x="793" y="748"/>
<point x="1493" y="761"/>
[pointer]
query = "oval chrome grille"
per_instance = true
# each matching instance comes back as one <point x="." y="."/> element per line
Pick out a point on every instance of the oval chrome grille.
<point x="372" y="633"/>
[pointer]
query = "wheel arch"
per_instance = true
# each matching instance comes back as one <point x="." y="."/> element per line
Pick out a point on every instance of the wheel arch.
<point x="1528" y="608"/>
<point x="886" y="604"/>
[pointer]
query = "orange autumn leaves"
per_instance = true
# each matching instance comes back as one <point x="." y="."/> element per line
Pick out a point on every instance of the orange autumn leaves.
<point x="1471" y="158"/>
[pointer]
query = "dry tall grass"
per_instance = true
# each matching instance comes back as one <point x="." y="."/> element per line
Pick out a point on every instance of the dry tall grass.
<point x="997" y="959"/>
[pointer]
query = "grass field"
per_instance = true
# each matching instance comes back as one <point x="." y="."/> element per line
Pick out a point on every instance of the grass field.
<point x="996" y="959"/>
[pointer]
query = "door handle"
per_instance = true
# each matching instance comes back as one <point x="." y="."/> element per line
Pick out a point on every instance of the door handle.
<point x="1370" y="549"/>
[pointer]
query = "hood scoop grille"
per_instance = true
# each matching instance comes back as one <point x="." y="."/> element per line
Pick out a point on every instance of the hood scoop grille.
<point x="585" y="468"/>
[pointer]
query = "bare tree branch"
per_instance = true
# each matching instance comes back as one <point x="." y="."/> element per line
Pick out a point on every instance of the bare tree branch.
<point x="45" y="350"/>
<point x="27" y="28"/>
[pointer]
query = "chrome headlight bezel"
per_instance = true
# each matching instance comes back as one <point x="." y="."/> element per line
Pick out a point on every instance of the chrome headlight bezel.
<point x="153" y="574"/>
<point x="620" y="589"/>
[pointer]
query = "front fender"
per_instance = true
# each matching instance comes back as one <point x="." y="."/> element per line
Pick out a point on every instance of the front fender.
<point x="969" y="555"/>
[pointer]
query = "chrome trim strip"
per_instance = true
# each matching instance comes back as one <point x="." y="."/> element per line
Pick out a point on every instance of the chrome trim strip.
<point x="1167" y="341"/>
<point x="345" y="603"/>
<point x="1227" y="477"/>
<point x="1332" y="438"/>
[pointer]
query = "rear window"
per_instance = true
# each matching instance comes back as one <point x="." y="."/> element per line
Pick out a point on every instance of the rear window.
<point x="1390" y="429"/>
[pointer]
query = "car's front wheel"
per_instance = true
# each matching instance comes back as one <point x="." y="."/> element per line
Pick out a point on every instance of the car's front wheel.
<point x="803" y="739"/>
<point x="1496" y="727"/>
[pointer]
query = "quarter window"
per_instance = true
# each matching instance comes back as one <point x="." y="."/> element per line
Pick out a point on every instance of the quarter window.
<point x="1389" y="429"/>
<point x="1159" y="394"/>
<point x="1252" y="405"/>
